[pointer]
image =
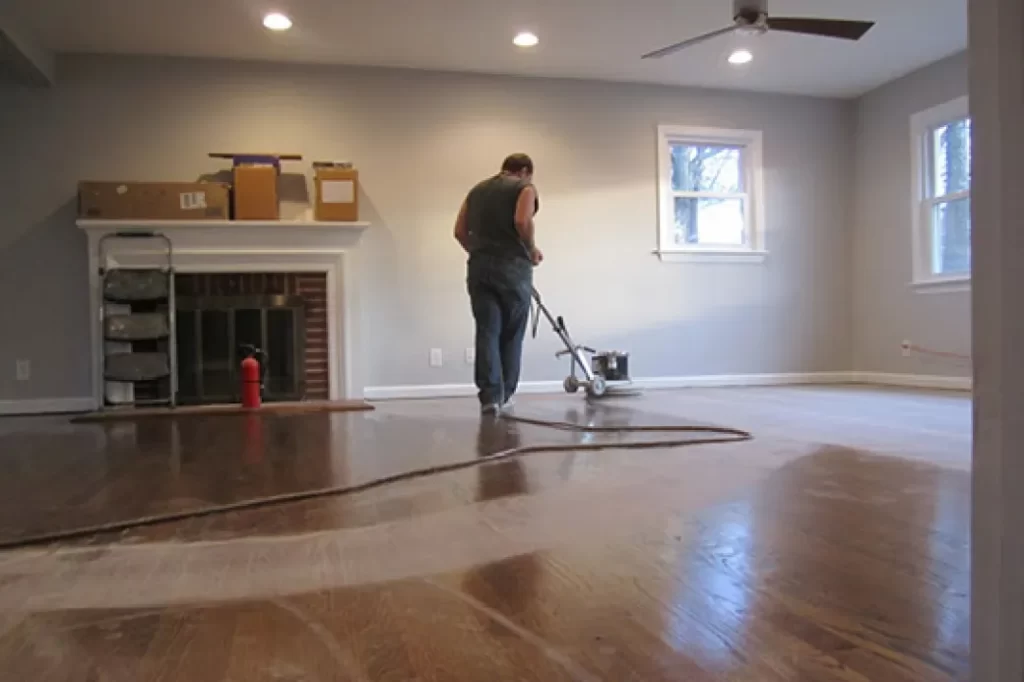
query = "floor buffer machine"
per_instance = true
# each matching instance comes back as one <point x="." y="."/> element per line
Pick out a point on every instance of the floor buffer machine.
<point x="604" y="374"/>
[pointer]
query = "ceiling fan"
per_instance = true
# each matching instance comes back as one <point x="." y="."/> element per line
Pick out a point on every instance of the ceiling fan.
<point x="751" y="17"/>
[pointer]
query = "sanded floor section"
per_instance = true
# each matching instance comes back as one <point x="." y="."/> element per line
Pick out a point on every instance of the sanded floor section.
<point x="832" y="547"/>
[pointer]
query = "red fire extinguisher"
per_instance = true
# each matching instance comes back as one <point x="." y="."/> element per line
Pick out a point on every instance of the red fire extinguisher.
<point x="252" y="379"/>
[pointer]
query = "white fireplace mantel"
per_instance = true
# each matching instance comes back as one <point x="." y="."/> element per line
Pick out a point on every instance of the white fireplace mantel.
<point x="241" y="246"/>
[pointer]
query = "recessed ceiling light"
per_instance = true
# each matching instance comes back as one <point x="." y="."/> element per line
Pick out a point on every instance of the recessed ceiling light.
<point x="276" y="21"/>
<point x="526" y="39"/>
<point x="741" y="57"/>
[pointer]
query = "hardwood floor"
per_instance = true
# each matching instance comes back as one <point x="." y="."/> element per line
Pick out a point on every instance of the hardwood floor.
<point x="831" y="547"/>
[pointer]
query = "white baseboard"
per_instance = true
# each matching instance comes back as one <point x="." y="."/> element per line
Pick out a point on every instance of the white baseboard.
<point x="727" y="380"/>
<point x="450" y="390"/>
<point x="913" y="380"/>
<point x="652" y="383"/>
<point x="46" y="406"/>
<point x="62" y="405"/>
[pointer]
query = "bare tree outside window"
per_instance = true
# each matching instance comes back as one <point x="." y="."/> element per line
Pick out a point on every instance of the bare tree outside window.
<point x="710" y="195"/>
<point x="709" y="199"/>
<point x="949" y="187"/>
<point x="941" y="220"/>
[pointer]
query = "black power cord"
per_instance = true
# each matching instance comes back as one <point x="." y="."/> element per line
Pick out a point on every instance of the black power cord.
<point x="716" y="435"/>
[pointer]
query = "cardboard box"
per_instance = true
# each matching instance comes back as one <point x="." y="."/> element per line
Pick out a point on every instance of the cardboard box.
<point x="255" y="192"/>
<point x="153" y="200"/>
<point x="337" y="194"/>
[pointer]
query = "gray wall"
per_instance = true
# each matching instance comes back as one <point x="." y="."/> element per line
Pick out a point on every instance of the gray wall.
<point x="420" y="140"/>
<point x="886" y="310"/>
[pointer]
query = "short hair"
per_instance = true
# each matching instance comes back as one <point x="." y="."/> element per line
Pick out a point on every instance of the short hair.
<point x="515" y="163"/>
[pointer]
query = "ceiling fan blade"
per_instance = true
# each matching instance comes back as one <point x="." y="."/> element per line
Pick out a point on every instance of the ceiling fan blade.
<point x="672" y="49"/>
<point x="828" y="28"/>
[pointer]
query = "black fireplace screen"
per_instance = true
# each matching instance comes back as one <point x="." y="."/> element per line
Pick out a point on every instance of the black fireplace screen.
<point x="211" y="333"/>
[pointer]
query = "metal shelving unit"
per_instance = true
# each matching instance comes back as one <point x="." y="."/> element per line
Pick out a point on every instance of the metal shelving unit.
<point x="137" y="318"/>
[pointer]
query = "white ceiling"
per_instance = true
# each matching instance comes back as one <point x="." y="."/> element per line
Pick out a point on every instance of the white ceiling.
<point x="599" y="39"/>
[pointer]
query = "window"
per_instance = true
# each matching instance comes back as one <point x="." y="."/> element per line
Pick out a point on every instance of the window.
<point x="710" y="194"/>
<point x="942" y="195"/>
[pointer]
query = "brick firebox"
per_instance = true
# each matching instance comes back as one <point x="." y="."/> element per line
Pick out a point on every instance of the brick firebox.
<point x="310" y="287"/>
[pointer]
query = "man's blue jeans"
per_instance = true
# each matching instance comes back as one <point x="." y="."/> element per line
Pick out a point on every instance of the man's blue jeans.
<point x="499" y="292"/>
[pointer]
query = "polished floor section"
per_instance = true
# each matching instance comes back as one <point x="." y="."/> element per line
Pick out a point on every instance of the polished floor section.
<point x="831" y="547"/>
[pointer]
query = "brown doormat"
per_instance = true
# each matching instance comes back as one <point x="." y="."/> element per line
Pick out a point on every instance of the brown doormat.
<point x="129" y="414"/>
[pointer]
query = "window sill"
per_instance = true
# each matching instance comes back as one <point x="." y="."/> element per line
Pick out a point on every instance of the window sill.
<point x="941" y="285"/>
<point x="711" y="256"/>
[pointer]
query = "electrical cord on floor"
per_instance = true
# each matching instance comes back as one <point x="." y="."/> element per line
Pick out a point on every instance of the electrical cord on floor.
<point x="723" y="435"/>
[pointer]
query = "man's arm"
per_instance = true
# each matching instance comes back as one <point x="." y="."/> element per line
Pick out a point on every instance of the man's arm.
<point x="462" y="229"/>
<point x="526" y="207"/>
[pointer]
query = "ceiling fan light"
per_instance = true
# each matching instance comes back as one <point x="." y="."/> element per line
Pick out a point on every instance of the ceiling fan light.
<point x="740" y="57"/>
<point x="275" y="21"/>
<point x="526" y="39"/>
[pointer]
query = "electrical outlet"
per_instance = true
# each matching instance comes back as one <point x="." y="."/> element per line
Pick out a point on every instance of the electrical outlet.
<point x="470" y="356"/>
<point x="905" y="348"/>
<point x="436" y="358"/>
<point x="23" y="370"/>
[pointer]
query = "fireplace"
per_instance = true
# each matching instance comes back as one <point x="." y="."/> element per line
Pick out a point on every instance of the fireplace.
<point x="316" y="261"/>
<point x="221" y="315"/>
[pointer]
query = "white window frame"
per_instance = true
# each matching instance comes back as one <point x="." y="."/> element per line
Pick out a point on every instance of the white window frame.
<point x="750" y="141"/>
<point x="921" y="125"/>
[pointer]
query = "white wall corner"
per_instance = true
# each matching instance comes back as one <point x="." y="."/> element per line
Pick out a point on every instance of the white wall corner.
<point x="996" y="75"/>
<point x="30" y="62"/>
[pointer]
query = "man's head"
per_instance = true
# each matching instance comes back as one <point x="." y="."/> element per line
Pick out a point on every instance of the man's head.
<point x="518" y="164"/>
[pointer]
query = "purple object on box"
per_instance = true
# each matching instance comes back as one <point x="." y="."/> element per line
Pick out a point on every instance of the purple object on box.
<point x="256" y="160"/>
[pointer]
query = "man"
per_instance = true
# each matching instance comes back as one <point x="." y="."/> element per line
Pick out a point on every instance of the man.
<point x="495" y="227"/>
